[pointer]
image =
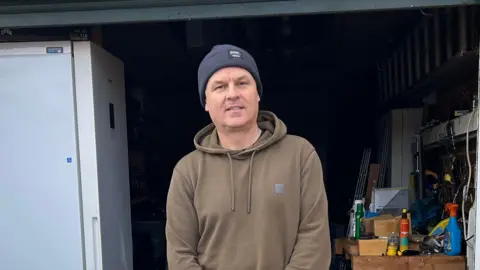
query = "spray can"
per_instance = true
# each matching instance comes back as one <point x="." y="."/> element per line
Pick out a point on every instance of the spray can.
<point x="404" y="230"/>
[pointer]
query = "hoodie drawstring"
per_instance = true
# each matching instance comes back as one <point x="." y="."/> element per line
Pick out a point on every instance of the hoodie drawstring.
<point x="232" y="183"/>
<point x="250" y="176"/>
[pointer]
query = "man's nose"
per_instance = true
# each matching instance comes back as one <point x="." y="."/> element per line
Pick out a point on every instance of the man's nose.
<point x="232" y="92"/>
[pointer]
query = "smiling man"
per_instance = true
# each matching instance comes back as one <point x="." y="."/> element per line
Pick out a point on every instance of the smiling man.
<point x="250" y="197"/>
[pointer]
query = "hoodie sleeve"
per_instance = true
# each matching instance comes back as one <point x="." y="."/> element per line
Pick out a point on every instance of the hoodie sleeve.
<point x="312" y="250"/>
<point x="182" y="225"/>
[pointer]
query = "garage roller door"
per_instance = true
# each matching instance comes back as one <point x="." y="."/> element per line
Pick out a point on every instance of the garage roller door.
<point x="73" y="12"/>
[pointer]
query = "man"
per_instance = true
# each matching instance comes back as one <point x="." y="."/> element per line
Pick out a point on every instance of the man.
<point x="250" y="197"/>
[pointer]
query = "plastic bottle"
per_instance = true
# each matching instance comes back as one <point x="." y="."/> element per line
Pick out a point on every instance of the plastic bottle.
<point x="404" y="229"/>
<point x="392" y="244"/>
<point x="352" y="217"/>
<point x="453" y="235"/>
<point x="358" y="220"/>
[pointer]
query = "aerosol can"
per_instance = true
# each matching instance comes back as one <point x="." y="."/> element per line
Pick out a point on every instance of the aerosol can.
<point x="404" y="231"/>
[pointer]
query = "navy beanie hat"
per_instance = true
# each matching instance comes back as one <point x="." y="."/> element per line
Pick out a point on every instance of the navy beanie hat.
<point x="222" y="56"/>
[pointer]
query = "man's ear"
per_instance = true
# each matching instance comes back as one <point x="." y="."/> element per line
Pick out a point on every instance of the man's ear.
<point x="206" y="105"/>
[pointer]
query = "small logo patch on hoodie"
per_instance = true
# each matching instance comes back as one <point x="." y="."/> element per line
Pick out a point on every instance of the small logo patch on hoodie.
<point x="279" y="189"/>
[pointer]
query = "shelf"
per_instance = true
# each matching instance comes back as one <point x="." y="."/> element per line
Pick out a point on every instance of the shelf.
<point x="438" y="133"/>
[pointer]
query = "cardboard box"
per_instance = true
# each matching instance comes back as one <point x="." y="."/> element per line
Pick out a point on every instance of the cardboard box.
<point x="382" y="226"/>
<point x="372" y="247"/>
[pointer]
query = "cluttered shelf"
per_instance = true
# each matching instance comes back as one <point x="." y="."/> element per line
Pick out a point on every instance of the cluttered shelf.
<point x="414" y="203"/>
<point x="383" y="232"/>
<point x="458" y="127"/>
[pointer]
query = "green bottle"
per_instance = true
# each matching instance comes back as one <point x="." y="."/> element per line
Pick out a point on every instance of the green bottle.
<point x="358" y="220"/>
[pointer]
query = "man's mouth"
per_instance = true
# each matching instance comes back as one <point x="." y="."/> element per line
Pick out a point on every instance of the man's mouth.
<point x="234" y="108"/>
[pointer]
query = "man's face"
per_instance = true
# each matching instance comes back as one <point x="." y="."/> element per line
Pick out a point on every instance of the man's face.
<point x="232" y="98"/>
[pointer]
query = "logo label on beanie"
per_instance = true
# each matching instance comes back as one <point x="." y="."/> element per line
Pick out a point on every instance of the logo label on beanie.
<point x="235" y="54"/>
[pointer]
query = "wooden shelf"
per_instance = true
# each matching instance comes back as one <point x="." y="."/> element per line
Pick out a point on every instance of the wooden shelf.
<point x="438" y="262"/>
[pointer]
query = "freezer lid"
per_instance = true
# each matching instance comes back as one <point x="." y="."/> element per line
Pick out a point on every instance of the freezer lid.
<point x="35" y="48"/>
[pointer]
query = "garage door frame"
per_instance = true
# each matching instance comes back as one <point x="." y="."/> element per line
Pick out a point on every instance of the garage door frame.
<point x="9" y="19"/>
<point x="35" y="18"/>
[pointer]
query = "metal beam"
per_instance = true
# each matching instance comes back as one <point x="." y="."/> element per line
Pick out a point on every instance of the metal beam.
<point x="33" y="6"/>
<point x="273" y="8"/>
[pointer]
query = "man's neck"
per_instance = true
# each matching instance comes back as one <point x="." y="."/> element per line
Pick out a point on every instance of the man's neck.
<point x="239" y="139"/>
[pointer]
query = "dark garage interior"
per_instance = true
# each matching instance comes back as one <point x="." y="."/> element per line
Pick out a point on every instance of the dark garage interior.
<point x="320" y="76"/>
<point x="319" y="72"/>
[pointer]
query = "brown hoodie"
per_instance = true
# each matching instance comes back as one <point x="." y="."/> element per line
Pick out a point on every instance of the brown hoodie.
<point x="261" y="208"/>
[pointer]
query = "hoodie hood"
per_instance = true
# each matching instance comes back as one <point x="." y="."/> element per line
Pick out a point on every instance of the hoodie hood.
<point x="273" y="130"/>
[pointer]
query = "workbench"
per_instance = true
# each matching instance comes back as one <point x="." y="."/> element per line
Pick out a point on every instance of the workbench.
<point x="437" y="262"/>
<point x="349" y="248"/>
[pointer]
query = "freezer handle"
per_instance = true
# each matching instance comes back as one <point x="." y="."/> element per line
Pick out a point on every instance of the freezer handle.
<point x="96" y="243"/>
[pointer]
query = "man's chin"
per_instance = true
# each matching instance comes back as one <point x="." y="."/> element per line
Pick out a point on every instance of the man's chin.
<point x="236" y="124"/>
